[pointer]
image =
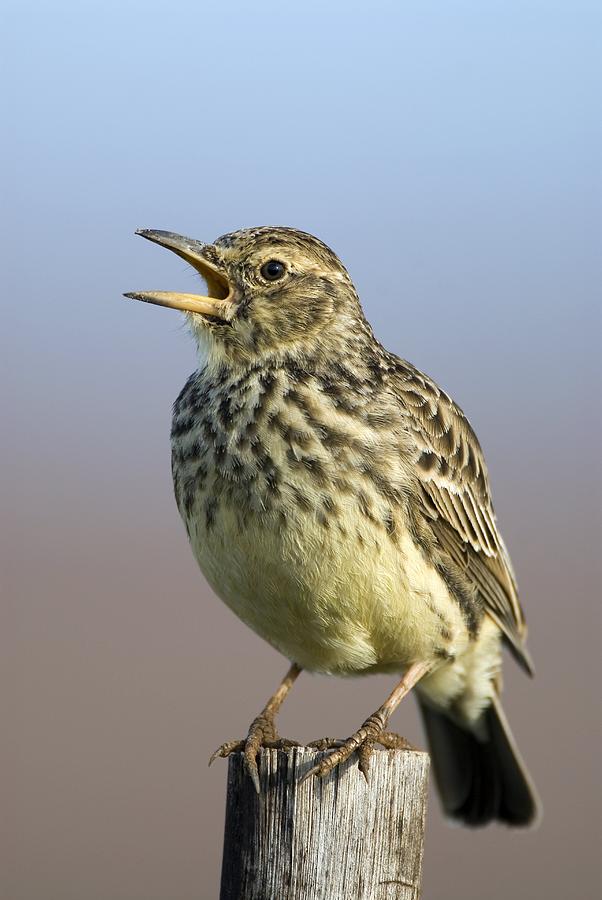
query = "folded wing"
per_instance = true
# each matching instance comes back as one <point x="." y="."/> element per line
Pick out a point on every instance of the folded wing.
<point x="457" y="498"/>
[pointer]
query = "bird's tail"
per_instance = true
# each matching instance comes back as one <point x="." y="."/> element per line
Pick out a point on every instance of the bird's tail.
<point x="480" y="780"/>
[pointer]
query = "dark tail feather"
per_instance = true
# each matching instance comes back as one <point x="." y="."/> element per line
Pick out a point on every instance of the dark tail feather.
<point x="480" y="781"/>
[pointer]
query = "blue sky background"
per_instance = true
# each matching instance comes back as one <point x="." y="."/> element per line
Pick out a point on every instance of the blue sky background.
<point x="450" y="153"/>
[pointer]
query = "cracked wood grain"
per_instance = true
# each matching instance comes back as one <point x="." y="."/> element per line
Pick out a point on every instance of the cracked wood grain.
<point x="336" y="839"/>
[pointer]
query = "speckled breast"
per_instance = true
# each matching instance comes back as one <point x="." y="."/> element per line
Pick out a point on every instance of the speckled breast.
<point x="293" y="492"/>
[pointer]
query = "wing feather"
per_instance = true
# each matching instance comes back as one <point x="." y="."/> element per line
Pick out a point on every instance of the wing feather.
<point x="457" y="495"/>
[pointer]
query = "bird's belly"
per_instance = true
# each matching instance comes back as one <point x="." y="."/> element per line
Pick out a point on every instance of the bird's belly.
<point x="343" y="597"/>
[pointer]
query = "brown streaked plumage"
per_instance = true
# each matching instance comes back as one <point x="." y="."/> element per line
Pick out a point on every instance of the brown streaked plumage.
<point x="338" y="501"/>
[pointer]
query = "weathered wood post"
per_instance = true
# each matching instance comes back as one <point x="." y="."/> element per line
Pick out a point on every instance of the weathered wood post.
<point x="336" y="839"/>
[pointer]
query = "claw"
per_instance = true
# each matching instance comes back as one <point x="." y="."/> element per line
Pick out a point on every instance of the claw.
<point x="226" y="750"/>
<point x="326" y="765"/>
<point x="252" y="770"/>
<point x="315" y="770"/>
<point x="364" y="753"/>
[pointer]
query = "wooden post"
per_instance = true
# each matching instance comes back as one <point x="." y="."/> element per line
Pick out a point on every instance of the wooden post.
<point x="336" y="839"/>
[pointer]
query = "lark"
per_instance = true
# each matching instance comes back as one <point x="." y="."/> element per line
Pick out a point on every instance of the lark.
<point x="337" y="500"/>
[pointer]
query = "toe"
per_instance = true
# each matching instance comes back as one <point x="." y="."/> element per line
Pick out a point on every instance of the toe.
<point x="364" y="753"/>
<point x="392" y="741"/>
<point x="331" y="761"/>
<point x="251" y="767"/>
<point x="316" y="770"/>
<point x="326" y="743"/>
<point x="226" y="749"/>
<point x="281" y="744"/>
<point x="362" y="740"/>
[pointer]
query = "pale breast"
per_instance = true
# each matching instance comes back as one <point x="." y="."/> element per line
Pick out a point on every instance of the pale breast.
<point x="295" y="501"/>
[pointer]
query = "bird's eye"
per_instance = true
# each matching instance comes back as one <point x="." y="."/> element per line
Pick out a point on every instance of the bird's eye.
<point x="272" y="270"/>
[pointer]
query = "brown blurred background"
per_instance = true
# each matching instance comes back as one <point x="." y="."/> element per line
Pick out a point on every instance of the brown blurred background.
<point x="451" y="155"/>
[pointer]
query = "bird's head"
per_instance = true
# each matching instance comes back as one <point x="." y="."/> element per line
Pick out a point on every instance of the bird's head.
<point x="269" y="290"/>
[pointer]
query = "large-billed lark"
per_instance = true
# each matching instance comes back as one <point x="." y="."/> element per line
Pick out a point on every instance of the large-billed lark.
<point x="337" y="500"/>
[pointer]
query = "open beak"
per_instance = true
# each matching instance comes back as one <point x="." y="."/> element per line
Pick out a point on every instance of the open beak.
<point x="219" y="301"/>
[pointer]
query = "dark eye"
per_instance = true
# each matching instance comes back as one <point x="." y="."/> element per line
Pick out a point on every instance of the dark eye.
<point x="272" y="270"/>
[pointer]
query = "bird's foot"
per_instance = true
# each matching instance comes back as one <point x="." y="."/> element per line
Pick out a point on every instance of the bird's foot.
<point x="363" y="740"/>
<point x="262" y="733"/>
<point x="325" y="743"/>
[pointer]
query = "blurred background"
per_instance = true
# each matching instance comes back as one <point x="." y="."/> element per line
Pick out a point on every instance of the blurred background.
<point x="450" y="153"/>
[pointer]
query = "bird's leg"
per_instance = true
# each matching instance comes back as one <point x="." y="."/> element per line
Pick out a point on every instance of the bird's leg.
<point x="262" y="731"/>
<point x="372" y="731"/>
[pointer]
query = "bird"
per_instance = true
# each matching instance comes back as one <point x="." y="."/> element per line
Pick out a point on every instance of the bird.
<point x="338" y="501"/>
